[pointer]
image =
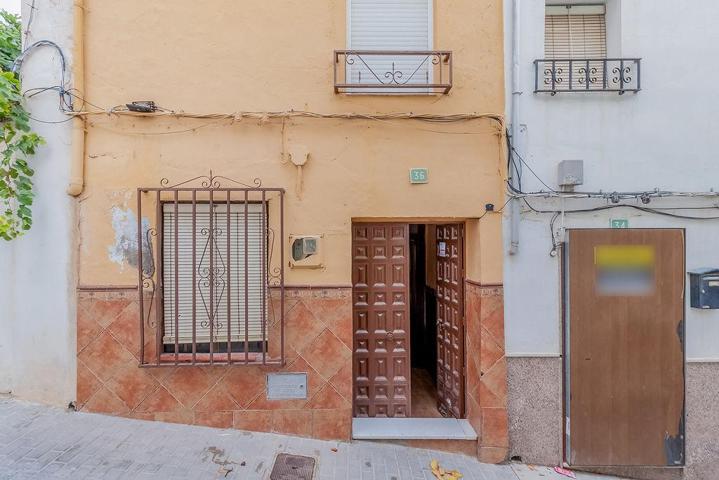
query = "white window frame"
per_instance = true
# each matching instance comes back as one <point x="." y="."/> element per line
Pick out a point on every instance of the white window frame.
<point x="574" y="9"/>
<point x="420" y="90"/>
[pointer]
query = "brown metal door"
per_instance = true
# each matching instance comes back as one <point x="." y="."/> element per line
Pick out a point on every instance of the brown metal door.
<point x="626" y="356"/>
<point x="380" y="296"/>
<point x="450" y="320"/>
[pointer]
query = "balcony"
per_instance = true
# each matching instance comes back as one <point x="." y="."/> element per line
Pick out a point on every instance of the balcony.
<point x="619" y="75"/>
<point x="393" y="72"/>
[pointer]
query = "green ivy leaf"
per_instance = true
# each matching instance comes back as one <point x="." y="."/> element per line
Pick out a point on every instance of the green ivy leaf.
<point x="17" y="141"/>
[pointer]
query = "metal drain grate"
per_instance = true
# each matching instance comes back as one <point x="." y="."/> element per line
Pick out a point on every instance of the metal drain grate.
<point x="293" y="467"/>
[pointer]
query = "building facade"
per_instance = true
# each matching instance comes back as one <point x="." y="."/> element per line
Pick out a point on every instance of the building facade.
<point x="37" y="342"/>
<point x="611" y="364"/>
<point x="287" y="218"/>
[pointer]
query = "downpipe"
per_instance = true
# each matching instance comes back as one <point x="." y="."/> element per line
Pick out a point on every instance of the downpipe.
<point x="515" y="167"/>
<point x="77" y="159"/>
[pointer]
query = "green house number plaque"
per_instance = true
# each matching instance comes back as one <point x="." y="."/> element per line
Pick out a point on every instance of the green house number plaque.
<point x="418" y="175"/>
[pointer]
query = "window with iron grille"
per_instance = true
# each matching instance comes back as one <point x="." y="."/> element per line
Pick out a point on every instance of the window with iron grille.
<point x="212" y="279"/>
<point x="575" y="45"/>
<point x="390" y="49"/>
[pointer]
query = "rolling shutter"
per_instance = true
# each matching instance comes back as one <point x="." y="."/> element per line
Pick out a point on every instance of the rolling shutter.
<point x="390" y="25"/>
<point x="238" y="263"/>
<point x="575" y="31"/>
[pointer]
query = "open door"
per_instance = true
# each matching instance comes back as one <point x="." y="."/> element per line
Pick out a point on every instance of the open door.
<point x="380" y="299"/>
<point x="450" y="320"/>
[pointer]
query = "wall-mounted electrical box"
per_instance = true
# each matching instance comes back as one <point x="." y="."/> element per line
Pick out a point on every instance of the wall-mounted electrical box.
<point x="306" y="251"/>
<point x="570" y="173"/>
<point x="704" y="288"/>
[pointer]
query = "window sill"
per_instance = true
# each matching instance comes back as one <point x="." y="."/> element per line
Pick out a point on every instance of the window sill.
<point x="236" y="358"/>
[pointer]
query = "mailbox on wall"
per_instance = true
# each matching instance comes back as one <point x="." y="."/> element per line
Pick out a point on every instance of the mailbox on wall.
<point x="704" y="288"/>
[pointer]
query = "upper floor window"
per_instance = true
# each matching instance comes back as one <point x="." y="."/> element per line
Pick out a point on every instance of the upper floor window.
<point x="389" y="25"/>
<point x="575" y="31"/>
<point x="575" y="47"/>
<point x="390" y="49"/>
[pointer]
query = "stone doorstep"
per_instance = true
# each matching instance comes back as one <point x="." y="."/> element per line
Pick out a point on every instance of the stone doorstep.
<point x="412" y="429"/>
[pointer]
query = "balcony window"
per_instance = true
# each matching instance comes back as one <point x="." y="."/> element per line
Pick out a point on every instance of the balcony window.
<point x="390" y="50"/>
<point x="575" y="45"/>
<point x="578" y="31"/>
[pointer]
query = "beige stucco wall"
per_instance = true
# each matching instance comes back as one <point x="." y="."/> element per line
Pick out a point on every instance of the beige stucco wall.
<point x="228" y="56"/>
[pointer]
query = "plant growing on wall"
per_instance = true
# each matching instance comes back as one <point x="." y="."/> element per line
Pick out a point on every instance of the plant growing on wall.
<point x="17" y="141"/>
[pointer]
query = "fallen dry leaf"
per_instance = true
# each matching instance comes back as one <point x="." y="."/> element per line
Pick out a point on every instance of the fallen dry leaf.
<point x="442" y="474"/>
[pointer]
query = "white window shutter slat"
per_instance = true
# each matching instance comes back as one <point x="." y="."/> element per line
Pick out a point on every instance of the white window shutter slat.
<point x="575" y="32"/>
<point x="404" y="25"/>
<point x="237" y="264"/>
<point x="575" y="35"/>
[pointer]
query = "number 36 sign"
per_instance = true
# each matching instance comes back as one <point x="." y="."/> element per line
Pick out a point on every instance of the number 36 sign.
<point x="418" y="175"/>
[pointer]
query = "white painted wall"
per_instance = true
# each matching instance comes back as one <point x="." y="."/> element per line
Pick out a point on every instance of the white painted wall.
<point x="662" y="137"/>
<point x="37" y="271"/>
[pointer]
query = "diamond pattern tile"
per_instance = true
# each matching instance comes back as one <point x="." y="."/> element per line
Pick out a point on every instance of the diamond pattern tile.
<point x="318" y="326"/>
<point x="487" y="370"/>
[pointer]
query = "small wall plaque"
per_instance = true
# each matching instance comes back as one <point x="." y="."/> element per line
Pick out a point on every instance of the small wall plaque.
<point x="418" y="175"/>
<point x="286" y="386"/>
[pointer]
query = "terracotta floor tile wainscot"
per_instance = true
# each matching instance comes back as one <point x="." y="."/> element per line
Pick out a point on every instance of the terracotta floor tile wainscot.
<point x="487" y="370"/>
<point x="318" y="334"/>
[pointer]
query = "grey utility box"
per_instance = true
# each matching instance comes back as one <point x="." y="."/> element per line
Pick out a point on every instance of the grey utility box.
<point x="704" y="288"/>
<point x="570" y="173"/>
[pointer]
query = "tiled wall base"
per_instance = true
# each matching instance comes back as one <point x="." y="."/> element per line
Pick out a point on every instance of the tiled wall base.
<point x="535" y="389"/>
<point x="318" y="341"/>
<point x="487" y="370"/>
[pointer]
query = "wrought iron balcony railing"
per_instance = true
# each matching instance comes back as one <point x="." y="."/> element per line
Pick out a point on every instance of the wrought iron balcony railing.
<point x="388" y="71"/>
<point x="587" y="75"/>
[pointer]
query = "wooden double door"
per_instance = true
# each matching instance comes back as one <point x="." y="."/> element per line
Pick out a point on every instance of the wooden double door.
<point x="381" y="319"/>
<point x="624" y="386"/>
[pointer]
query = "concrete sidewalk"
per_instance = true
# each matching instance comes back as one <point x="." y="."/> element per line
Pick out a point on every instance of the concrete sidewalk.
<point x="40" y="442"/>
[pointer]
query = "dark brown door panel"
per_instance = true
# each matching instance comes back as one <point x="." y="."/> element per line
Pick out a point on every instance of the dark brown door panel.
<point x="380" y="290"/>
<point x="450" y="320"/>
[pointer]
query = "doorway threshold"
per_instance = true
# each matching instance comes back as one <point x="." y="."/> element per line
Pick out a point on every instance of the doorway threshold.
<point x="412" y="429"/>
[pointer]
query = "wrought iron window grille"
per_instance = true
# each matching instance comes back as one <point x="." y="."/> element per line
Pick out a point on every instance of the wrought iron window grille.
<point x="211" y="286"/>
<point x="393" y="71"/>
<point x="619" y="75"/>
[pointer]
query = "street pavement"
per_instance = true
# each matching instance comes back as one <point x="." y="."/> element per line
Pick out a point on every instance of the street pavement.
<point x="41" y="442"/>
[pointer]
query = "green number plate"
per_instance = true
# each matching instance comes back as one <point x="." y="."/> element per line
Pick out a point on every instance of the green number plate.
<point x="619" y="223"/>
<point x="418" y="175"/>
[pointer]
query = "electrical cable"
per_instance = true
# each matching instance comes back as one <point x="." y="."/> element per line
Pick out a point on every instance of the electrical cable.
<point x="31" y="17"/>
<point x="495" y="211"/>
<point x="614" y="196"/>
<point x="656" y="211"/>
<point x="532" y="170"/>
<point x="52" y="122"/>
<point x="65" y="101"/>
<point x="269" y="115"/>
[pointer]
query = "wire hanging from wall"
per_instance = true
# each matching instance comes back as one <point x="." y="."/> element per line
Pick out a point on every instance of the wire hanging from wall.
<point x="615" y="197"/>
